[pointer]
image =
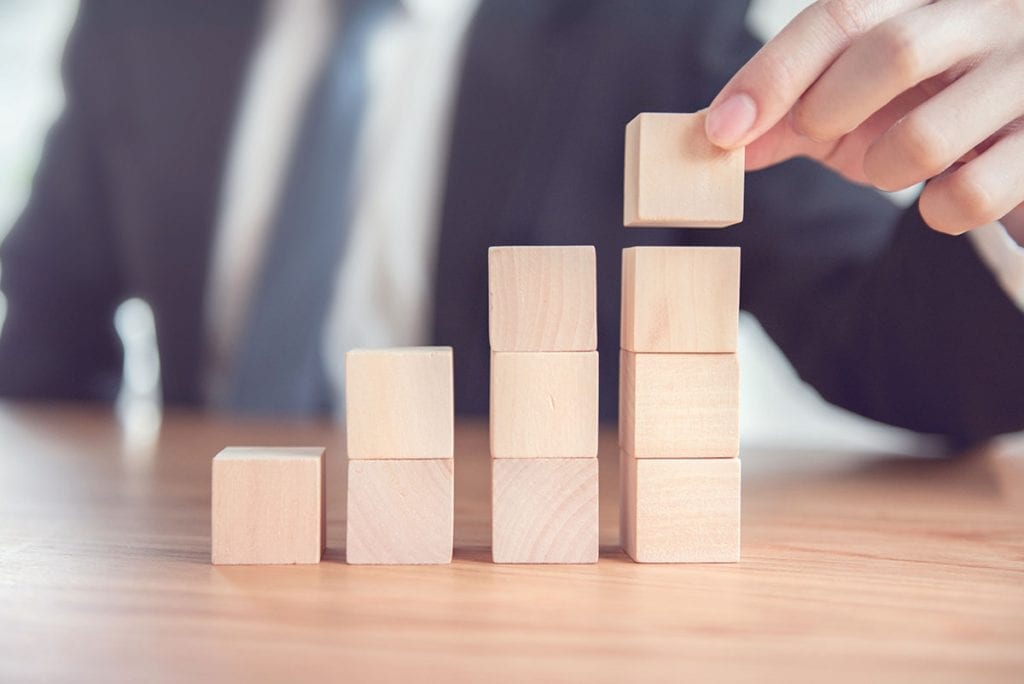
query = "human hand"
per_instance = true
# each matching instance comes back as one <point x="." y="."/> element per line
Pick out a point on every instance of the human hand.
<point x="892" y="93"/>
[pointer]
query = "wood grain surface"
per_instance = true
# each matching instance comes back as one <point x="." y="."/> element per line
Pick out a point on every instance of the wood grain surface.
<point x="400" y="404"/>
<point x="856" y="567"/>
<point x="675" y="178"/>
<point x="400" y="512"/>
<point x="545" y="510"/>
<point x="544" y="404"/>
<point x="680" y="510"/>
<point x="542" y="298"/>
<point x="680" y="299"/>
<point x="679" y="405"/>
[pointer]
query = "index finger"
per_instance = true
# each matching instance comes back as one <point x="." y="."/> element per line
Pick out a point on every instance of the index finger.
<point x="767" y="87"/>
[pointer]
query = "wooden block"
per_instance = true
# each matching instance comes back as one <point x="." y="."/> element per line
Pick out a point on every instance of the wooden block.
<point x="545" y="510"/>
<point x="542" y="298"/>
<point x="544" y="404"/>
<point x="679" y="405"/>
<point x="267" y="506"/>
<point x="680" y="510"/>
<point x="675" y="177"/>
<point x="680" y="299"/>
<point x="400" y="403"/>
<point x="400" y="512"/>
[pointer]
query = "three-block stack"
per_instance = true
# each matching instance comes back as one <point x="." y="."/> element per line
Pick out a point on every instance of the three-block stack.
<point x="679" y="404"/>
<point x="401" y="478"/>
<point x="544" y="404"/>
<point x="679" y="376"/>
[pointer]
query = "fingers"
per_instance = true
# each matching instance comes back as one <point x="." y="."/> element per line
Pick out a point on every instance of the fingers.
<point x="768" y="86"/>
<point x="888" y="60"/>
<point x="780" y="143"/>
<point x="979" y="192"/>
<point x="943" y="129"/>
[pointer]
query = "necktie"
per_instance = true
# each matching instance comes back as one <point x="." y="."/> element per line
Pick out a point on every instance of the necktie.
<point x="279" y="368"/>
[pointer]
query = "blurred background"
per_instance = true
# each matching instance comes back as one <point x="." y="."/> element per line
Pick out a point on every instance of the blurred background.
<point x="778" y="410"/>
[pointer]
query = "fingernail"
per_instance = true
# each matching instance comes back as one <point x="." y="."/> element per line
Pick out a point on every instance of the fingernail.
<point x="731" y="119"/>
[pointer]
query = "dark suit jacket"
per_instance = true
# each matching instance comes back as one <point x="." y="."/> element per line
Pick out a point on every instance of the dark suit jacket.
<point x="879" y="314"/>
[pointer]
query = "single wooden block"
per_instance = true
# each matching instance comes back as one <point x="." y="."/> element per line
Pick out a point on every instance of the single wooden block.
<point x="679" y="405"/>
<point x="544" y="404"/>
<point x="542" y="298"/>
<point x="675" y="177"/>
<point x="680" y="510"/>
<point x="267" y="506"/>
<point x="545" y="510"/>
<point x="400" y="512"/>
<point x="400" y="403"/>
<point x="680" y="299"/>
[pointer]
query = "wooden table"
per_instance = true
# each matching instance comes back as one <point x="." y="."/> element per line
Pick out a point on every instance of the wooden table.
<point x="854" y="567"/>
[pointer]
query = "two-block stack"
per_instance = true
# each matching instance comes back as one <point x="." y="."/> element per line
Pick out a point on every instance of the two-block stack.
<point x="400" y="429"/>
<point x="544" y="410"/>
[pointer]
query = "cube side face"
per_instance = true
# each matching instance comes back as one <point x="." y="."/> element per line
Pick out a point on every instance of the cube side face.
<point x="627" y="308"/>
<point x="545" y="510"/>
<point x="399" y="404"/>
<point x="681" y="299"/>
<point x="542" y="298"/>
<point x="631" y="175"/>
<point x="683" y="180"/>
<point x="627" y="401"/>
<point x="400" y="512"/>
<point x="680" y="405"/>
<point x="627" y="504"/>
<point x="544" y="405"/>
<point x="267" y="511"/>
<point x="685" y="511"/>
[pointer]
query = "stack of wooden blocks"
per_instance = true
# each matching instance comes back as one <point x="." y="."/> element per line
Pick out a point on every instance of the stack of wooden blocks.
<point x="401" y="478"/>
<point x="544" y="404"/>
<point x="679" y="375"/>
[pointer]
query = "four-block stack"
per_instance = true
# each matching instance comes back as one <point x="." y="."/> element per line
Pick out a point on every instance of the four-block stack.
<point x="679" y="375"/>
<point x="544" y="410"/>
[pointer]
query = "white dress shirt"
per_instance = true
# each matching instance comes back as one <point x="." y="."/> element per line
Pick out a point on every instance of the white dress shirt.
<point x="383" y="291"/>
<point x="383" y="294"/>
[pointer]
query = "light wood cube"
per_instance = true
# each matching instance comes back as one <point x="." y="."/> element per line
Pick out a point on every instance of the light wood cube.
<point x="544" y="404"/>
<point x="679" y="405"/>
<point x="545" y="510"/>
<point x="542" y="298"/>
<point x="680" y="299"/>
<point x="675" y="177"/>
<point x="400" y="512"/>
<point x="267" y="506"/>
<point x="680" y="510"/>
<point x="400" y="403"/>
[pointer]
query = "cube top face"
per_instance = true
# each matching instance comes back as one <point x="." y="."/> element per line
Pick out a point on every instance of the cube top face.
<point x="399" y="403"/>
<point x="680" y="510"/>
<point x="675" y="177"/>
<point x="269" y="453"/>
<point x="680" y="299"/>
<point x="545" y="510"/>
<point x="679" y="405"/>
<point x="267" y="506"/>
<point x="400" y="512"/>
<point x="544" y="404"/>
<point x="542" y="298"/>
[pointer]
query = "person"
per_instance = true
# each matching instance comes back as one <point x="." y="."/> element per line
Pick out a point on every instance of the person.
<point x="285" y="185"/>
